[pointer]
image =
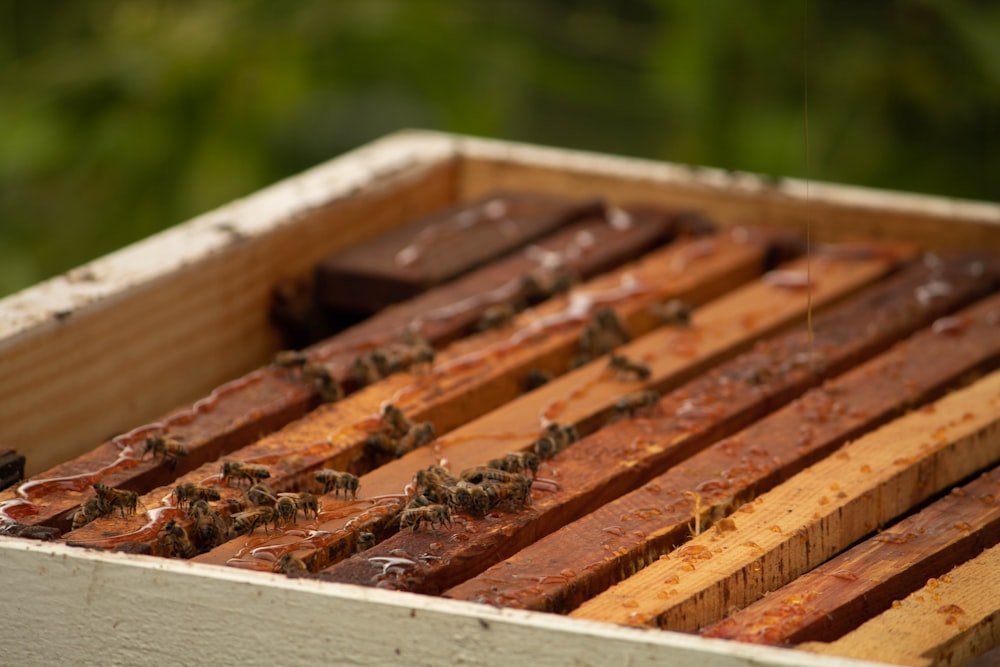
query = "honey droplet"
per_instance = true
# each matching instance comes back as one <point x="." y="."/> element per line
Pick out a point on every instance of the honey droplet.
<point x="950" y="609"/>
<point x="866" y="468"/>
<point x="630" y="604"/>
<point x="725" y="525"/>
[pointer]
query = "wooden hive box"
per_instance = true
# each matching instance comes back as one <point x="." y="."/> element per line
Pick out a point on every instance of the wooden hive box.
<point x="125" y="339"/>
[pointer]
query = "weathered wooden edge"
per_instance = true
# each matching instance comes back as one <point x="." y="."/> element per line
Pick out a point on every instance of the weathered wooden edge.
<point x="96" y="344"/>
<point x="138" y="610"/>
<point x="375" y="165"/>
<point x="718" y="189"/>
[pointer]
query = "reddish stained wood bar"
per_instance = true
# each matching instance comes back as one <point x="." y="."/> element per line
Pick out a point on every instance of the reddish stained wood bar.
<point x="879" y="476"/>
<point x="945" y="623"/>
<point x="406" y="261"/>
<point x="624" y="536"/>
<point x="241" y="411"/>
<point x="834" y="598"/>
<point x="732" y="321"/>
<point x="588" y="477"/>
<point x="472" y="376"/>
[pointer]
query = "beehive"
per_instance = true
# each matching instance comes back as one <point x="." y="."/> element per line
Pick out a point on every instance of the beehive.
<point x="119" y="343"/>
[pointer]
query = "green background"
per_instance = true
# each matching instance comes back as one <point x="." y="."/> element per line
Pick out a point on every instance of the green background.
<point x="119" y="118"/>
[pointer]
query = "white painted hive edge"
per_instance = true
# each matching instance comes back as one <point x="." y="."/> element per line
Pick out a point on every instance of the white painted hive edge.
<point x="105" y="600"/>
<point x="645" y="170"/>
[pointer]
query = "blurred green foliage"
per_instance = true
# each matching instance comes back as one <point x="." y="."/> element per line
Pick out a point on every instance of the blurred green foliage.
<point x="121" y="117"/>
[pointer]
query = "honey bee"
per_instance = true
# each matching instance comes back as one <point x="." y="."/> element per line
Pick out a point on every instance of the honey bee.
<point x="304" y="501"/>
<point x="369" y="367"/>
<point x="209" y="527"/>
<point x="471" y="498"/>
<point x="419" y="435"/>
<point x="125" y="501"/>
<point x="630" y="404"/>
<point x="545" y="448"/>
<point x="603" y="334"/>
<point x="334" y="480"/>
<point x="189" y="492"/>
<point x="237" y="505"/>
<point x="413" y="352"/>
<point x="435" y="483"/>
<point x="365" y="540"/>
<point x="673" y="313"/>
<point x="430" y="514"/>
<point x="517" y="462"/>
<point x="555" y="439"/>
<point x="516" y="492"/>
<point x="625" y="368"/>
<point x="541" y="285"/>
<point x="90" y="509"/>
<point x="173" y="541"/>
<point x="291" y="565"/>
<point x="481" y="474"/>
<point x="285" y="511"/>
<point x="496" y="316"/>
<point x="394" y="423"/>
<point x="290" y="359"/>
<point x="564" y="436"/>
<point x="170" y="449"/>
<point x="261" y="494"/>
<point x="398" y="434"/>
<point x="243" y="472"/>
<point x="330" y="389"/>
<point x="247" y="522"/>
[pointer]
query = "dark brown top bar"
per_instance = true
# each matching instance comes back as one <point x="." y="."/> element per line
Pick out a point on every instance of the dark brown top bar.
<point x="401" y="264"/>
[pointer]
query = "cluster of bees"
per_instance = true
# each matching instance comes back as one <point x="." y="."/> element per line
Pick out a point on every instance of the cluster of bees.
<point x="603" y="334"/>
<point x="330" y="390"/>
<point x="104" y="503"/>
<point x="535" y="287"/>
<point x="398" y="435"/>
<point x="259" y="506"/>
<point x="477" y="490"/>
<point x="411" y="352"/>
<point x="506" y="481"/>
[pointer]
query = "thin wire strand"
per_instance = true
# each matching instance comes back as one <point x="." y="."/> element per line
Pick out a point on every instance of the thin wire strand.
<point x="805" y="132"/>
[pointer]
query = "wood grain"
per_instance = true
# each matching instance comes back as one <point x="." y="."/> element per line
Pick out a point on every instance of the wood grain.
<point x="436" y="248"/>
<point x="578" y="398"/>
<point x="471" y="377"/>
<point x="832" y="212"/>
<point x="243" y="410"/>
<point x="129" y="337"/>
<point x="879" y="476"/>
<point x="834" y="598"/>
<point x="559" y="572"/>
<point x="949" y="621"/>
<point x="589" y="478"/>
